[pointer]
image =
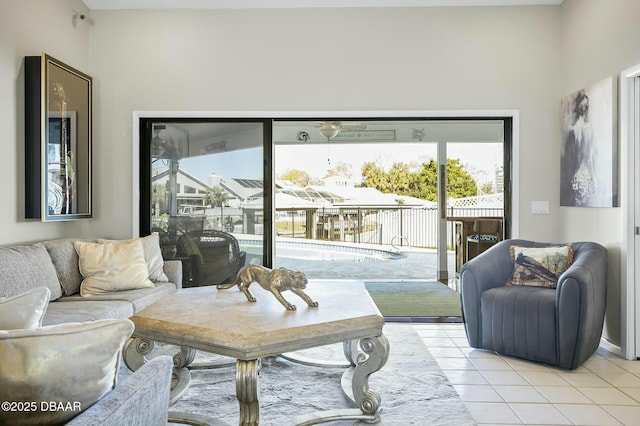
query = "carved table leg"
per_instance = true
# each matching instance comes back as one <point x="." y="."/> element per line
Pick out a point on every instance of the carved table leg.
<point x="366" y="356"/>
<point x="184" y="358"/>
<point x="135" y="354"/>
<point x="247" y="391"/>
<point x="351" y="349"/>
<point x="357" y="377"/>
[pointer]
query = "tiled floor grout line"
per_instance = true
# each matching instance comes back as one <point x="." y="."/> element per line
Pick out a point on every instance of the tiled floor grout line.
<point x="502" y="390"/>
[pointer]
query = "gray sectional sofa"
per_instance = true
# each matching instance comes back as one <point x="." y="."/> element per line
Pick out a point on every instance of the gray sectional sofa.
<point x="143" y="397"/>
<point x="54" y="264"/>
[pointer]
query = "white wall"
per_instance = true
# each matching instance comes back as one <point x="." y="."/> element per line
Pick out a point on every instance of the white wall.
<point x="329" y="59"/>
<point x="599" y="39"/>
<point x="27" y="28"/>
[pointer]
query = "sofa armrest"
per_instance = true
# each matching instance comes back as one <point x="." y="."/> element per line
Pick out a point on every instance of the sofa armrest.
<point x="141" y="399"/>
<point x="581" y="299"/>
<point x="173" y="271"/>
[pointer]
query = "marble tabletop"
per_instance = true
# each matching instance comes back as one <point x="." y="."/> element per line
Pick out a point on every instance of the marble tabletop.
<point x="225" y="323"/>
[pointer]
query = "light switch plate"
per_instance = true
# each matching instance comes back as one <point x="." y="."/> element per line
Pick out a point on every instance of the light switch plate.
<point x="540" y="207"/>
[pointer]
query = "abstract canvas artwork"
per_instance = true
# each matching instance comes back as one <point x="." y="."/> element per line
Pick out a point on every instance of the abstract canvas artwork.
<point x="589" y="155"/>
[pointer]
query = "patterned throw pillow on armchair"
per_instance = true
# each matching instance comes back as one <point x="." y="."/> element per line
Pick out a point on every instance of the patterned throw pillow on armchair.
<point x="539" y="266"/>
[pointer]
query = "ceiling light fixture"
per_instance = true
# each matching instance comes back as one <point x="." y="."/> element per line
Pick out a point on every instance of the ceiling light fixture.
<point x="329" y="132"/>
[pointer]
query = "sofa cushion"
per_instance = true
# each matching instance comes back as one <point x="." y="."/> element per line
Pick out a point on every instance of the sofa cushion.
<point x="111" y="267"/>
<point x="152" y="255"/>
<point x="24" y="310"/>
<point x="24" y="268"/>
<point x="65" y="259"/>
<point x="539" y="266"/>
<point x="138" y="298"/>
<point x="63" y="364"/>
<point x="83" y="310"/>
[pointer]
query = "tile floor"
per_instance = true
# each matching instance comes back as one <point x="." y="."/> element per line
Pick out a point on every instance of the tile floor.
<point x="500" y="390"/>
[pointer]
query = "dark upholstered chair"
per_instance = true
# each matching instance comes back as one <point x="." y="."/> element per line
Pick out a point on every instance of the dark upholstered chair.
<point x="560" y="327"/>
<point x="215" y="256"/>
<point x="486" y="232"/>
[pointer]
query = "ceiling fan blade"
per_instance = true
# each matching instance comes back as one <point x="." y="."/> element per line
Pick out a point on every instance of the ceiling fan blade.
<point x="328" y="125"/>
<point x="330" y="129"/>
<point x="342" y="125"/>
<point x="353" y="127"/>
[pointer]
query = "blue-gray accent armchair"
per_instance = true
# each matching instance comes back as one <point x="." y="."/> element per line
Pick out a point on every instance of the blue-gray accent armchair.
<point x="560" y="327"/>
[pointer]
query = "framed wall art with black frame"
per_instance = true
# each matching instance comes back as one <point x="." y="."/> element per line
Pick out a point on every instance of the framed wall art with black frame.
<point x="58" y="140"/>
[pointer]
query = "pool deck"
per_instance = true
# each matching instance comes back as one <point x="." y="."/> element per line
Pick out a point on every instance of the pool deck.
<point x="407" y="265"/>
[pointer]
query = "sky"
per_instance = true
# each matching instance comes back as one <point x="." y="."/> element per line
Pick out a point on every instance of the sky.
<point x="317" y="159"/>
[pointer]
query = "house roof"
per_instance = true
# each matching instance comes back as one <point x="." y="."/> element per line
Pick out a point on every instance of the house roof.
<point x="243" y="189"/>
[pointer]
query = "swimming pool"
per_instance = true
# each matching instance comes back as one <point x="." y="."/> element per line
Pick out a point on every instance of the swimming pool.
<point x="330" y="260"/>
<point x="322" y="251"/>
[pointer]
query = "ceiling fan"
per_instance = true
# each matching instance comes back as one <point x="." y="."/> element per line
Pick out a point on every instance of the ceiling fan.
<point x="162" y="148"/>
<point x="331" y="129"/>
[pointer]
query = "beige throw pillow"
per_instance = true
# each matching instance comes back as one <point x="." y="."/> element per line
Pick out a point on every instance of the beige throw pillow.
<point x="152" y="255"/>
<point x="111" y="267"/>
<point x="25" y="310"/>
<point x="67" y="365"/>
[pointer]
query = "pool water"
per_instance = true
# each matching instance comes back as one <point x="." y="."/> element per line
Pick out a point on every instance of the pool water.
<point x="326" y="252"/>
<point x="320" y="260"/>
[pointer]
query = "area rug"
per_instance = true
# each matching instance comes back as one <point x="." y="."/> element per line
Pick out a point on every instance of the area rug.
<point x="413" y="389"/>
<point x="414" y="298"/>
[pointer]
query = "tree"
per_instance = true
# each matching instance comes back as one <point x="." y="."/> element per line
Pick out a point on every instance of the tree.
<point x="374" y="176"/>
<point x="158" y="197"/>
<point x="487" y="188"/>
<point x="423" y="184"/>
<point x="299" y="177"/>
<point x="216" y="197"/>
<point x="341" y="169"/>
<point x="460" y="184"/>
<point x="400" y="178"/>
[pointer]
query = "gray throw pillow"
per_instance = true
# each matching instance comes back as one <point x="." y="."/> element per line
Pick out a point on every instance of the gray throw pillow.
<point x="24" y="268"/>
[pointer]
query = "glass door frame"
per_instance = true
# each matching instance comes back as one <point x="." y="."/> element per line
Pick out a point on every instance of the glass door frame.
<point x="145" y="125"/>
<point x="142" y="172"/>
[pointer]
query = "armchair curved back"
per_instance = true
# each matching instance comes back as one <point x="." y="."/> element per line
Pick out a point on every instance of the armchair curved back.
<point x="560" y="326"/>
<point x="216" y="256"/>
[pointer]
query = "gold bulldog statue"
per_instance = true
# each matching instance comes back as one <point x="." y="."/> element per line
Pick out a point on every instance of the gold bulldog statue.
<point x="276" y="281"/>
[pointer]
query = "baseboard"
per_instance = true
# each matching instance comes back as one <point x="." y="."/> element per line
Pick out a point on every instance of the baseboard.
<point x="614" y="349"/>
<point x="424" y="319"/>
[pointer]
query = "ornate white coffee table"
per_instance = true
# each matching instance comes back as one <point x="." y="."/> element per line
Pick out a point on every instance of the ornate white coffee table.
<point x="224" y="323"/>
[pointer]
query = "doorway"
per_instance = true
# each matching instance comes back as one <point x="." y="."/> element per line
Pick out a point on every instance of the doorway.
<point x="350" y="220"/>
<point x="629" y="305"/>
<point x="375" y="184"/>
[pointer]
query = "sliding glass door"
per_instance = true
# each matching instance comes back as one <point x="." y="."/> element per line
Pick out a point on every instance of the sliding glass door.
<point x="379" y="200"/>
<point x="203" y="190"/>
<point x="372" y="188"/>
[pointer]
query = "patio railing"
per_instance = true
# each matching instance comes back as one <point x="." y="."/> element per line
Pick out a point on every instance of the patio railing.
<point x="401" y="226"/>
<point x="414" y="226"/>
